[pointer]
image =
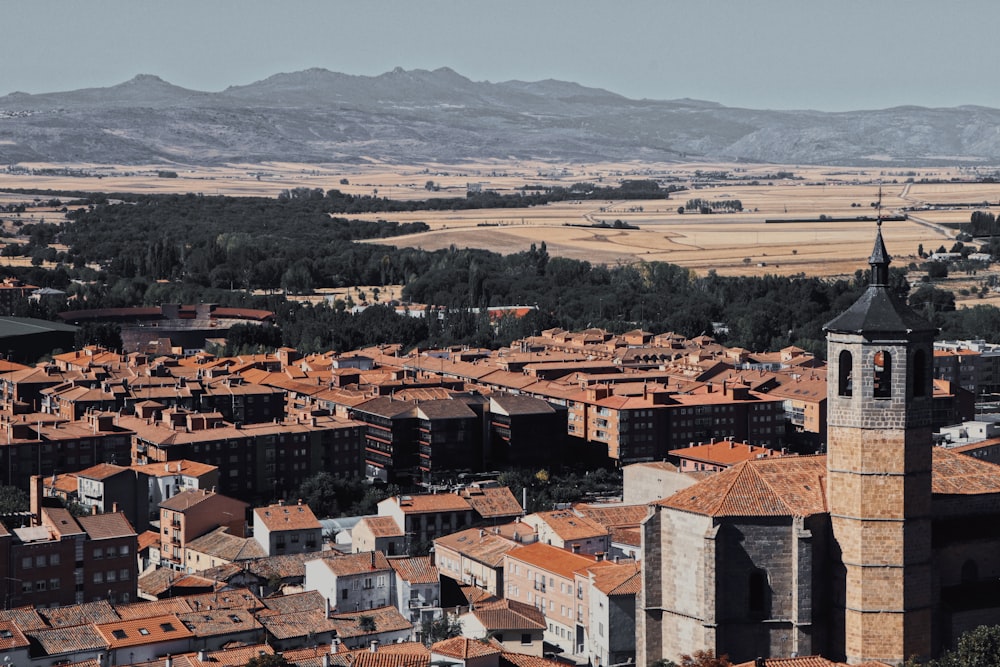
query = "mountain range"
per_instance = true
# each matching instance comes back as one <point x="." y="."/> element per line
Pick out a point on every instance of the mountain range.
<point x="414" y="116"/>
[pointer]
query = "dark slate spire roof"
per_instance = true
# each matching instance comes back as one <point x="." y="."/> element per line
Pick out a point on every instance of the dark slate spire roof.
<point x="878" y="309"/>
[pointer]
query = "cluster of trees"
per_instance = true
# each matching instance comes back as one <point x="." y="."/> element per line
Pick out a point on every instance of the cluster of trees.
<point x="188" y="249"/>
<point x="712" y="205"/>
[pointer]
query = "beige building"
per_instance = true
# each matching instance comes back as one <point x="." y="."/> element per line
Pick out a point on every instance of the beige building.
<point x="287" y="529"/>
<point x="378" y="533"/>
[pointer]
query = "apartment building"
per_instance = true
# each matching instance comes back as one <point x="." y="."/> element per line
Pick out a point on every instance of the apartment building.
<point x="556" y="582"/>
<point x="352" y="582"/>
<point x="191" y="514"/>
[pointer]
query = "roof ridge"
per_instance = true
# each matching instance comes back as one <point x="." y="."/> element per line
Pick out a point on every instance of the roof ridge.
<point x="737" y="476"/>
<point x="781" y="498"/>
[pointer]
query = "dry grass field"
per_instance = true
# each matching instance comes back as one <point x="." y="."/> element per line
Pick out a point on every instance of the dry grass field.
<point x="731" y="244"/>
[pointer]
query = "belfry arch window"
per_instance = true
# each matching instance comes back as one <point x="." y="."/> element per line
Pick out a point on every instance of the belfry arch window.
<point x="919" y="373"/>
<point x="882" y="374"/>
<point x="845" y="365"/>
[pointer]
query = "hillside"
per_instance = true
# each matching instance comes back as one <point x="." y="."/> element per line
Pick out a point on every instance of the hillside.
<point x="414" y="116"/>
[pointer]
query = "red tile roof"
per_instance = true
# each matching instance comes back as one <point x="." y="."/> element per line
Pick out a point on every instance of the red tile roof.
<point x="415" y="569"/>
<point x="464" y="648"/>
<point x="553" y="559"/>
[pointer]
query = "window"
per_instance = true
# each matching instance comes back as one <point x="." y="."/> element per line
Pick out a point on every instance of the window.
<point x="40" y="561"/>
<point x="98" y="577"/>
<point x="40" y="585"/>
<point x="26" y="563"/>
<point x="125" y="574"/>
<point x="53" y="584"/>
<point x="53" y="559"/>
<point x="844" y="370"/>
<point x="525" y="638"/>
<point x="882" y="374"/>
<point x="26" y="587"/>
<point x="143" y="631"/>
<point x="98" y="553"/>
<point x="119" y="634"/>
<point x="343" y="594"/>
<point x="111" y="576"/>
<point x="123" y="550"/>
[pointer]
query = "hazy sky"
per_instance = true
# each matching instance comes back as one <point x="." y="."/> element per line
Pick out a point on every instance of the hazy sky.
<point x="776" y="54"/>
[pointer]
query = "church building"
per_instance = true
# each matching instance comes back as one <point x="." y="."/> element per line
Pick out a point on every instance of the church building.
<point x="884" y="548"/>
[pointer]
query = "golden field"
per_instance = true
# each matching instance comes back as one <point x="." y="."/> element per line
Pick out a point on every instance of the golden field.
<point x="733" y="243"/>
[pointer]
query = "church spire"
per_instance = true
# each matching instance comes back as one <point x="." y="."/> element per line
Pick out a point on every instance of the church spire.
<point x="879" y="261"/>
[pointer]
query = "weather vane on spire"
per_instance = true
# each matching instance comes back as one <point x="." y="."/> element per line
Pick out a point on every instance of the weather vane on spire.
<point x="878" y="209"/>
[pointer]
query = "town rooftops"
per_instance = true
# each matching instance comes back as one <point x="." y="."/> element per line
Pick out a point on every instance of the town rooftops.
<point x="106" y="526"/>
<point x="382" y="526"/>
<point x="506" y="614"/>
<point x="431" y="502"/>
<point x="360" y="563"/>
<point x="286" y="517"/>
<point x="180" y="467"/>
<point x="724" y="453"/>
<point x="492" y="502"/>
<point x="101" y="471"/>
<point x="221" y="544"/>
<point x="185" y="500"/>
<point x="478" y="544"/>
<point x="120" y="634"/>
<point x="553" y="559"/>
<point x="570" y="526"/>
<point x="618" y="579"/>
<point x="414" y="569"/>
<point x="464" y="648"/>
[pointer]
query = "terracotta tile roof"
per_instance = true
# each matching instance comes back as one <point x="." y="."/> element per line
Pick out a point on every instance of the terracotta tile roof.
<point x="11" y="636"/>
<point x="286" y="517"/>
<point x="214" y="622"/>
<point x="478" y="544"/>
<point x="61" y="521"/>
<point x="26" y="618"/>
<point x="360" y="563"/>
<point x="788" y="486"/>
<point x="415" y="569"/>
<point x="106" y="526"/>
<point x="237" y="598"/>
<point x="101" y="471"/>
<point x="807" y="661"/>
<point x="389" y="655"/>
<point x="493" y="503"/>
<point x="618" y="579"/>
<point x="509" y="615"/>
<point x="464" y="648"/>
<point x="162" y="580"/>
<point x="724" y="453"/>
<point x="629" y="536"/>
<point x="149" y="609"/>
<point x="185" y="500"/>
<point x="287" y="566"/>
<point x="287" y="604"/>
<point x="221" y="544"/>
<point x="100" y="611"/>
<point x="382" y="526"/>
<point x="431" y="502"/>
<point x="72" y="639"/>
<point x="958" y="474"/>
<point x="147" y="539"/>
<point x="553" y="559"/>
<point x="238" y="656"/>
<point x="188" y="468"/>
<point x="568" y="525"/>
<point x="136" y="632"/>
<point x="387" y="619"/>
<point x="509" y="659"/>
<point x="613" y="515"/>
<point x="298" y="624"/>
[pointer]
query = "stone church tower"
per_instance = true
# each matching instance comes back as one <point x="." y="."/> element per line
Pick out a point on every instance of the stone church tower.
<point x="880" y="355"/>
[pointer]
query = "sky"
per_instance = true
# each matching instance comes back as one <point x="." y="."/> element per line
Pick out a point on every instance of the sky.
<point x="832" y="55"/>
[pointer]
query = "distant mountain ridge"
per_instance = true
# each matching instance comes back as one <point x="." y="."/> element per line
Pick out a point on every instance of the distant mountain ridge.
<point x="413" y="116"/>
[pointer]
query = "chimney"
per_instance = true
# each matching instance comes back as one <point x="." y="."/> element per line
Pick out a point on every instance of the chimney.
<point x="114" y="508"/>
<point x="373" y="646"/>
<point x="373" y="560"/>
<point x="202" y="655"/>
<point x="576" y="548"/>
<point x="326" y="660"/>
<point x="168" y="662"/>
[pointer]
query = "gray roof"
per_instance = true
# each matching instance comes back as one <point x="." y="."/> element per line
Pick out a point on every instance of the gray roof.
<point x="879" y="310"/>
<point x="26" y="326"/>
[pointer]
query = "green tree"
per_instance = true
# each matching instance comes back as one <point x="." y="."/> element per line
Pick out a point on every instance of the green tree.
<point x="268" y="661"/>
<point x="976" y="648"/>
<point x="446" y="627"/>
<point x="367" y="624"/>
<point x="12" y="499"/>
<point x="105" y="334"/>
